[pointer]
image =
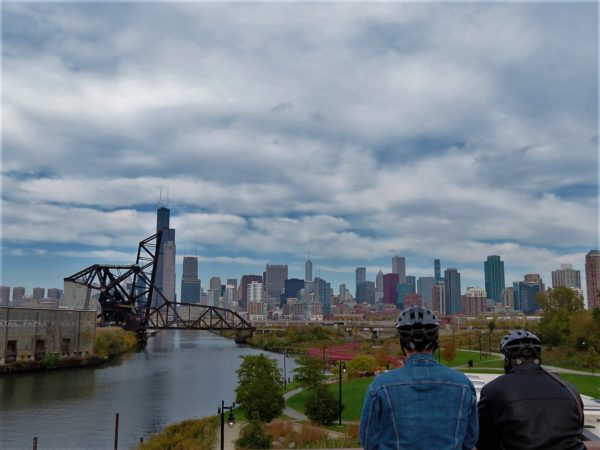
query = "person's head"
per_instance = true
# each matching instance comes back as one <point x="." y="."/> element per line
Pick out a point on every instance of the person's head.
<point x="418" y="329"/>
<point x="519" y="347"/>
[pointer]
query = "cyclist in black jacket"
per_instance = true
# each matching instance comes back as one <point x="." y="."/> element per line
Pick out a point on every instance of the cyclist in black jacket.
<point x="528" y="408"/>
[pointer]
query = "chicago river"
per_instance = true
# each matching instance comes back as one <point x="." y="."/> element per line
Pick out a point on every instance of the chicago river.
<point x="179" y="375"/>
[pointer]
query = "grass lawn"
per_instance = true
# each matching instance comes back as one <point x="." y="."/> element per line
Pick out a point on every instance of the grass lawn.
<point x="353" y="394"/>
<point x="463" y="356"/>
<point x="586" y="384"/>
<point x="353" y="391"/>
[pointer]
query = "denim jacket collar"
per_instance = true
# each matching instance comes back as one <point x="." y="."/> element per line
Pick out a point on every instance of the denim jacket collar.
<point x="420" y="359"/>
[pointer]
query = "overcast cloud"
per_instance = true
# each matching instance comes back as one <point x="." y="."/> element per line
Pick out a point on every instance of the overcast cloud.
<point x="347" y="132"/>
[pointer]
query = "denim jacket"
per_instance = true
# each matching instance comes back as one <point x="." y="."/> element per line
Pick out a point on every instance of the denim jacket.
<point x="423" y="405"/>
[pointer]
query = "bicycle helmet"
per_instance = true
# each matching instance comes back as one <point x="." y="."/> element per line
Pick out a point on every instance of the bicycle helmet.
<point x="418" y="328"/>
<point x="521" y="344"/>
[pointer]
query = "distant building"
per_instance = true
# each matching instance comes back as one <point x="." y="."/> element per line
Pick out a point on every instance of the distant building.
<point x="528" y="291"/>
<point x="592" y="278"/>
<point x="308" y="269"/>
<point x="453" y="292"/>
<point x="39" y="293"/>
<point x="379" y="287"/>
<point x="190" y="283"/>
<point x="494" y="277"/>
<point x="399" y="267"/>
<point x="244" y="282"/>
<point x="55" y="293"/>
<point x="361" y="277"/>
<point x="390" y="282"/>
<point x="508" y="298"/>
<point x="535" y="278"/>
<point x="274" y="283"/>
<point x="566" y="276"/>
<point x="18" y="294"/>
<point x="291" y="289"/>
<point x="323" y="294"/>
<point x="438" y="298"/>
<point x="213" y="296"/>
<point x="424" y="285"/>
<point x="412" y="299"/>
<point x="474" y="301"/>
<point x="437" y="271"/>
<point x="344" y="293"/>
<point x="165" y="267"/>
<point x="255" y="291"/>
<point x="215" y="283"/>
<point x="4" y="295"/>
<point x="402" y="290"/>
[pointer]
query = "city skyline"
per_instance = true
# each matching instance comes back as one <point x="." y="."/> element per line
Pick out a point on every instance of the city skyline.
<point x="455" y="131"/>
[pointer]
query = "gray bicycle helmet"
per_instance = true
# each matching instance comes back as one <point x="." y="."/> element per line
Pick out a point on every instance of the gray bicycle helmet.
<point x="418" y="328"/>
<point x="521" y="343"/>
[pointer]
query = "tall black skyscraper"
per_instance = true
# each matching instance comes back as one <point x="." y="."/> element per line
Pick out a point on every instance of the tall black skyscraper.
<point x="165" y="270"/>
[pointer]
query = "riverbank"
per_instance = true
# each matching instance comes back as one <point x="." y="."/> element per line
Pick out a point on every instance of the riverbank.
<point x="109" y="343"/>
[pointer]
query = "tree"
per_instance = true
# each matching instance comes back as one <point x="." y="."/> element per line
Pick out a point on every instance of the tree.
<point x="362" y="363"/>
<point x="592" y="359"/>
<point x="260" y="387"/>
<point x="560" y="298"/>
<point x="321" y="406"/>
<point x="448" y="351"/>
<point x="560" y="305"/>
<point x="309" y="373"/>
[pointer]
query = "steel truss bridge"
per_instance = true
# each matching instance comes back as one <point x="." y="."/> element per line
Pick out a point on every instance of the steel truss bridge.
<point x="129" y="298"/>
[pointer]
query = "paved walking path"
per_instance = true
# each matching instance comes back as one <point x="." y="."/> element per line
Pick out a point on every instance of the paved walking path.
<point x="290" y="412"/>
<point x="549" y="368"/>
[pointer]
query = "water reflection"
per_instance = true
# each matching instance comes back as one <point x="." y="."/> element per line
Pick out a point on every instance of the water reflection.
<point x="180" y="374"/>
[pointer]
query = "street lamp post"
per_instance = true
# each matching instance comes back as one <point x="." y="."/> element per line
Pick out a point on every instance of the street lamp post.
<point x="324" y="351"/>
<point x="230" y="420"/>
<point x="342" y="368"/>
<point x="480" y="345"/>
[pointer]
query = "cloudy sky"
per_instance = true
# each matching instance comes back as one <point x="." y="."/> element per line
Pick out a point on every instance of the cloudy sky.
<point x="347" y="132"/>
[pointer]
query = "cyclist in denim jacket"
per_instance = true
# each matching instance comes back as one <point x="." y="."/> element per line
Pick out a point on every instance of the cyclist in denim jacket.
<point x="423" y="405"/>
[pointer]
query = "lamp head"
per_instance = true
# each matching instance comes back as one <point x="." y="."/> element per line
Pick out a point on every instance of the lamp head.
<point x="230" y="420"/>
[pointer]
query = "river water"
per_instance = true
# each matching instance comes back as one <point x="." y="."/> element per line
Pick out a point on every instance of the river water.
<point x="179" y="375"/>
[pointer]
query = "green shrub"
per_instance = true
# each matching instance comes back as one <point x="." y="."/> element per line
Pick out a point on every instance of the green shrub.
<point x="253" y="435"/>
<point x="51" y="361"/>
<point x="191" y="434"/>
<point x="114" y="341"/>
<point x="321" y="406"/>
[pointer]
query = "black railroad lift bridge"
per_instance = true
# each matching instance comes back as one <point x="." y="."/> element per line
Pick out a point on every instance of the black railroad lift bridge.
<point x="129" y="298"/>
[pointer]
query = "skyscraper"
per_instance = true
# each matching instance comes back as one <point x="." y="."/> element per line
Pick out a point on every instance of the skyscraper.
<point x="275" y="274"/>
<point x="452" y="294"/>
<point x="292" y="287"/>
<point x="361" y="277"/>
<point x="38" y="293"/>
<point x="437" y="271"/>
<point x="323" y="294"/>
<point x="438" y="298"/>
<point x="494" y="277"/>
<point x="424" y="285"/>
<point x="390" y="282"/>
<point x="592" y="278"/>
<point x="190" y="283"/>
<point x="566" y="276"/>
<point x="165" y="268"/>
<point x="308" y="270"/>
<point x="18" y="294"/>
<point x="399" y="267"/>
<point x="244" y="282"/>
